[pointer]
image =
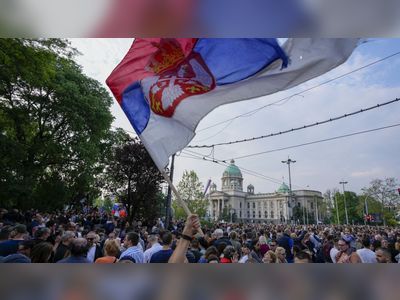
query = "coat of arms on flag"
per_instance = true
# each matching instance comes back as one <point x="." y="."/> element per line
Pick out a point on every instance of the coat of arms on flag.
<point x="166" y="86"/>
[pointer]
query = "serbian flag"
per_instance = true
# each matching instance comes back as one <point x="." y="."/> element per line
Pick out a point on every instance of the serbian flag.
<point x="166" y="86"/>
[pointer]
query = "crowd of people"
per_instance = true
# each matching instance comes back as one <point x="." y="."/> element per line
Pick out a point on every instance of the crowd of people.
<point x="92" y="236"/>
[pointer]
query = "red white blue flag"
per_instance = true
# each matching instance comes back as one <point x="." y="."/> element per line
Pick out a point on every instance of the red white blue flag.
<point x="166" y="86"/>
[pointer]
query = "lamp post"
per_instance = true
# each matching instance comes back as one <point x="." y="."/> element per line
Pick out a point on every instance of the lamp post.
<point x="288" y="162"/>
<point x="345" y="204"/>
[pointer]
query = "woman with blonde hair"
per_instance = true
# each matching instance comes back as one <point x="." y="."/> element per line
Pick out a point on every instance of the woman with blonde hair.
<point x="269" y="257"/>
<point x="111" y="252"/>
<point x="280" y="255"/>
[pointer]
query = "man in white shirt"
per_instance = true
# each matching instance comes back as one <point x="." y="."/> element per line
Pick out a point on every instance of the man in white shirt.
<point x="366" y="255"/>
<point x="154" y="247"/>
<point x="133" y="250"/>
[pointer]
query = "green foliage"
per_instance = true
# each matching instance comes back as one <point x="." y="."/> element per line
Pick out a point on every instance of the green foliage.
<point x="54" y="122"/>
<point x="190" y="188"/>
<point x="191" y="191"/>
<point x="132" y="176"/>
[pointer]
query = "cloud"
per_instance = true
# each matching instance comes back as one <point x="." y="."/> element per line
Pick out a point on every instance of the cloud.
<point x="368" y="173"/>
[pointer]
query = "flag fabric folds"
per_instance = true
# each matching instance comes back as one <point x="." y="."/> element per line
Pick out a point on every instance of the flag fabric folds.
<point x="166" y="86"/>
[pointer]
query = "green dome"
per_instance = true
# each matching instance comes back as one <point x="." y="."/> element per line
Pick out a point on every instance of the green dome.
<point x="232" y="170"/>
<point x="283" y="189"/>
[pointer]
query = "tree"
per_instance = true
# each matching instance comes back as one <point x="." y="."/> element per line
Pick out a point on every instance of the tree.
<point x="191" y="190"/>
<point x="53" y="121"/>
<point x="132" y="176"/>
<point x="355" y="214"/>
<point x="385" y="192"/>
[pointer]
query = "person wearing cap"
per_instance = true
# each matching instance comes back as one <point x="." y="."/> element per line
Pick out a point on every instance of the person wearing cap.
<point x="11" y="246"/>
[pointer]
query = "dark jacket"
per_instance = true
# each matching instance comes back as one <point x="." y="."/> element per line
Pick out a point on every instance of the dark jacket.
<point x="61" y="252"/>
<point x="286" y="242"/>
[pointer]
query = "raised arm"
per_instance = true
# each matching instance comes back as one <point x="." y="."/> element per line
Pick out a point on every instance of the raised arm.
<point x="192" y="226"/>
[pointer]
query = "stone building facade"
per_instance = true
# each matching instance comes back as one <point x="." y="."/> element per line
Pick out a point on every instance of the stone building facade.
<point x="247" y="206"/>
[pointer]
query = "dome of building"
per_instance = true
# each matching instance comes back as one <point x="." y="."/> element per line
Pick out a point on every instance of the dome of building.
<point x="283" y="189"/>
<point x="232" y="170"/>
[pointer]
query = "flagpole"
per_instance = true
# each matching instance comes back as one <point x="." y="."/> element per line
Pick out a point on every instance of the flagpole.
<point x="178" y="197"/>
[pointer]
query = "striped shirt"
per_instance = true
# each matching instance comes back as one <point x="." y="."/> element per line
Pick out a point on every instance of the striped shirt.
<point x="135" y="252"/>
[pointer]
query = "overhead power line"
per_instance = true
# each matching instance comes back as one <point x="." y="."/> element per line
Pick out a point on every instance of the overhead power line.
<point x="318" y="141"/>
<point x="199" y="156"/>
<point x="298" y="128"/>
<point x="251" y="112"/>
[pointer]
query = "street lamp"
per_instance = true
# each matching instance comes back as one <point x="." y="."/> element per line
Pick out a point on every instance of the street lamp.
<point x="288" y="162"/>
<point x="345" y="204"/>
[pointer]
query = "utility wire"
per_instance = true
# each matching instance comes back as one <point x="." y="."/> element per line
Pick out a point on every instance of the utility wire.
<point x="297" y="128"/>
<point x="251" y="112"/>
<point x="199" y="156"/>
<point x="319" y="141"/>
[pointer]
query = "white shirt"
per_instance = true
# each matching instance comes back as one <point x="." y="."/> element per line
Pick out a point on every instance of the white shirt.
<point x="135" y="252"/>
<point x="91" y="253"/>
<point x="367" y="256"/>
<point x="244" y="259"/>
<point x="149" y="252"/>
<point x="333" y="253"/>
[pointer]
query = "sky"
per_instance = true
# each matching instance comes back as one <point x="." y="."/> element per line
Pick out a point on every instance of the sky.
<point x="321" y="166"/>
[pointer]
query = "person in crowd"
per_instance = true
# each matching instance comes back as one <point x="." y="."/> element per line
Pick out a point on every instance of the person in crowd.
<point x="94" y="249"/>
<point x="383" y="256"/>
<point x="79" y="248"/>
<point x="263" y="245"/>
<point x="269" y="257"/>
<point x="286" y="242"/>
<point x="111" y="252"/>
<point x="281" y="255"/>
<point x="213" y="259"/>
<point x="165" y="253"/>
<point x="133" y="250"/>
<point x="211" y="251"/>
<point x="63" y="249"/>
<point x="366" y="255"/>
<point x="17" y="235"/>
<point x="154" y="247"/>
<point x="229" y="256"/>
<point x="41" y="252"/>
<point x="195" y="249"/>
<point x="346" y="254"/>
<point x="302" y="257"/>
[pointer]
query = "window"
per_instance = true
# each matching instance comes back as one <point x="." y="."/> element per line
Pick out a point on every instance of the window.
<point x="272" y="214"/>
<point x="298" y="204"/>
<point x="312" y="205"/>
<point x="266" y="214"/>
<point x="240" y="204"/>
<point x="248" y="214"/>
<point x="240" y="214"/>
<point x="254" y="214"/>
<point x="248" y="205"/>
<point x="259" y="214"/>
<point x="254" y="205"/>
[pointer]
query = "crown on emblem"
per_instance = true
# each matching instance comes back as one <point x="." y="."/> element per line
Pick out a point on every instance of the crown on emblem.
<point x="168" y="55"/>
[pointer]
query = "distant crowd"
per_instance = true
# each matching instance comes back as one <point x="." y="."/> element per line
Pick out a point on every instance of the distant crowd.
<point x="92" y="236"/>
